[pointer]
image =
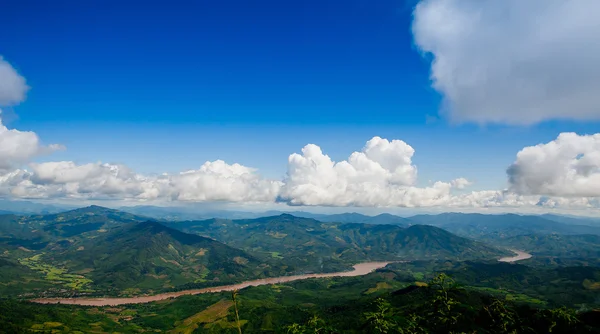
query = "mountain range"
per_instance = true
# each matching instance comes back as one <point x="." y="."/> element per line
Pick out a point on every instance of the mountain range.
<point x="104" y="251"/>
<point x="314" y="245"/>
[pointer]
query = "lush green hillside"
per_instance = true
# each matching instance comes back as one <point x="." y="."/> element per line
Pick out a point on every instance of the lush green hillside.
<point x="576" y="286"/>
<point x="38" y="231"/>
<point x="103" y="251"/>
<point x="17" y="279"/>
<point x="309" y="244"/>
<point x="556" y="245"/>
<point x="149" y="256"/>
<point x="85" y="221"/>
<point x="384" y="302"/>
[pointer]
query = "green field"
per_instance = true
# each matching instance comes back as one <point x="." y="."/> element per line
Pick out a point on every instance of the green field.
<point x="56" y="275"/>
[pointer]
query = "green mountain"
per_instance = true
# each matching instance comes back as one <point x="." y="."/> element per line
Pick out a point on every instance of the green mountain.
<point x="105" y="251"/>
<point x="78" y="223"/>
<point x="148" y="256"/>
<point x="492" y="227"/>
<point x="312" y="245"/>
<point x="352" y="217"/>
<point x="556" y="245"/>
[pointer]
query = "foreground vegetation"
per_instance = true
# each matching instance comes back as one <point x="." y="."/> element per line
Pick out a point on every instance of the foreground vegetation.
<point x="408" y="298"/>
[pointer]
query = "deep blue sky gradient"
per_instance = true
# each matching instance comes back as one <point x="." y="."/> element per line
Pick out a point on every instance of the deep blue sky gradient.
<point x="164" y="86"/>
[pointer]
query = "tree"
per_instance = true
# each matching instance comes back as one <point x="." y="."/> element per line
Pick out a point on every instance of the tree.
<point x="237" y="315"/>
<point x="381" y="320"/>
<point x="444" y="313"/>
<point x="314" y="325"/>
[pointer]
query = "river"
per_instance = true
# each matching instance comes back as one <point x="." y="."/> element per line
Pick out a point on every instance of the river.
<point x="359" y="270"/>
<point x="518" y="257"/>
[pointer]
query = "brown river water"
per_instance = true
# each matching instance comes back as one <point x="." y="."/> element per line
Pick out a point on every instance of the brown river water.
<point x="519" y="255"/>
<point x="359" y="270"/>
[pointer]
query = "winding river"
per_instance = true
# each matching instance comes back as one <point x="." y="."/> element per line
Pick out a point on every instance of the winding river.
<point x="359" y="270"/>
<point x="519" y="255"/>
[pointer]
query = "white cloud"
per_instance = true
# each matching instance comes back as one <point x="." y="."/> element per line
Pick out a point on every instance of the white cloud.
<point x="18" y="147"/>
<point x="568" y="166"/>
<point x="512" y="61"/>
<point x="12" y="85"/>
<point x="461" y="183"/>
<point x="214" y="181"/>
<point x="382" y="174"/>
<point x="65" y="179"/>
<point x="219" y="181"/>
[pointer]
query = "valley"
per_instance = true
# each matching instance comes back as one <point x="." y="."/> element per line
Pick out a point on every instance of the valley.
<point x="117" y="271"/>
<point x="359" y="270"/>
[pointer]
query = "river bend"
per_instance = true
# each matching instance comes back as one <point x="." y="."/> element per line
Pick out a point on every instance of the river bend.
<point x="359" y="270"/>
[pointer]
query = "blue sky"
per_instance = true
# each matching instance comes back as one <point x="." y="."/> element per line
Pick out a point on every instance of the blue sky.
<point x="164" y="87"/>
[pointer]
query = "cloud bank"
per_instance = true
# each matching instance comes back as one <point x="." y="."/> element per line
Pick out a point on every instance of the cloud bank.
<point x="563" y="174"/>
<point x="512" y="61"/>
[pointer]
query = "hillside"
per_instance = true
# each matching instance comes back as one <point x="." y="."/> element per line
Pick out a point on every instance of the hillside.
<point x="37" y="231"/>
<point x="84" y="220"/>
<point x="555" y="245"/>
<point x="309" y="244"/>
<point x="150" y="256"/>
<point x="346" y="305"/>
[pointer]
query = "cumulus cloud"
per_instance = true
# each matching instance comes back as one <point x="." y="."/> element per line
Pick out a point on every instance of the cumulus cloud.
<point x="512" y="61"/>
<point x="219" y="181"/>
<point x="18" y="147"/>
<point x="214" y="181"/>
<point x="560" y="175"/>
<point x="568" y="166"/>
<point x="12" y="85"/>
<point x="382" y="174"/>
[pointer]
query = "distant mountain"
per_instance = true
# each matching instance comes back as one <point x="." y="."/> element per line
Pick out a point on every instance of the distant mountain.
<point x="28" y="207"/>
<point x="190" y="213"/>
<point x="313" y="245"/>
<point x="572" y="220"/>
<point x="149" y="256"/>
<point x="492" y="227"/>
<point x="43" y="232"/>
<point x="352" y="217"/>
<point x="78" y="221"/>
<point x="555" y="245"/>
